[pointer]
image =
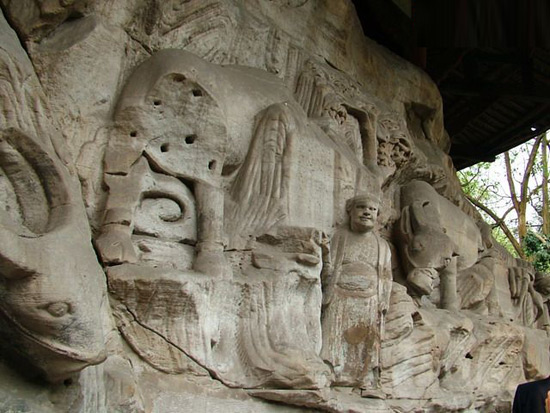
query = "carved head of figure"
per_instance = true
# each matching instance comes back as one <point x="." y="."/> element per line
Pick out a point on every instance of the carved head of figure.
<point x="363" y="212"/>
<point x="425" y="248"/>
<point x="51" y="285"/>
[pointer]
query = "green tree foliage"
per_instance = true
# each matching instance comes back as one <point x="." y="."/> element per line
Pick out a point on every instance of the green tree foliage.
<point x="537" y="248"/>
<point x="477" y="182"/>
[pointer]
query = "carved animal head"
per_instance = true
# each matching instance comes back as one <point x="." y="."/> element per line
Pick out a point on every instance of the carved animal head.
<point x="424" y="243"/>
<point x="51" y="285"/>
<point x="169" y="111"/>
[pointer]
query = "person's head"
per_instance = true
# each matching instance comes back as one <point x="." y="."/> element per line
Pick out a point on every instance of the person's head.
<point x="362" y="211"/>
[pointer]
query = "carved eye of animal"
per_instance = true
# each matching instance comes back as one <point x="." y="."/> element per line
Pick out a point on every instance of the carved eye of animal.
<point x="58" y="309"/>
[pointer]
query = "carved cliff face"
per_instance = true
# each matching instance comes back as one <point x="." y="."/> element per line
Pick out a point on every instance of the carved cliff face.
<point x="215" y="143"/>
<point x="427" y="246"/>
<point x="430" y="248"/>
<point x="58" y="330"/>
<point x="51" y="292"/>
<point x="52" y="289"/>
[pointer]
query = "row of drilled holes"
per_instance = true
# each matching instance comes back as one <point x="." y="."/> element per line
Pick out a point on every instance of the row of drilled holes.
<point x="189" y="139"/>
<point x="165" y="147"/>
<point x="196" y="93"/>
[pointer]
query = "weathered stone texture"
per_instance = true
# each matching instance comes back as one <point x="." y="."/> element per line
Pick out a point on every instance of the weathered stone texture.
<point x="224" y="205"/>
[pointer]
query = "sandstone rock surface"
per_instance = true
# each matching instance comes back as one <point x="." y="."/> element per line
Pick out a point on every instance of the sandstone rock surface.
<point x="241" y="206"/>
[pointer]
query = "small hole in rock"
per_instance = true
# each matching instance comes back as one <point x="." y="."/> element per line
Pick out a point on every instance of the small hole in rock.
<point x="179" y="77"/>
<point x="164" y="147"/>
<point x="74" y="15"/>
<point x="189" y="139"/>
<point x="197" y="92"/>
<point x="469" y="356"/>
<point x="133" y="134"/>
<point x="212" y="165"/>
<point x="157" y="102"/>
<point x="68" y="382"/>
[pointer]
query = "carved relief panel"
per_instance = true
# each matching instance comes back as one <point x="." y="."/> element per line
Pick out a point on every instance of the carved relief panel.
<point x="230" y="256"/>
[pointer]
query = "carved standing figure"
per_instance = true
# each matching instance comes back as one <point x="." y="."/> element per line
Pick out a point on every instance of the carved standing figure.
<point x="357" y="286"/>
<point x="528" y="301"/>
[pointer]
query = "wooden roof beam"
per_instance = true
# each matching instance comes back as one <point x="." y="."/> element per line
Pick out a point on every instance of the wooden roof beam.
<point x="537" y="93"/>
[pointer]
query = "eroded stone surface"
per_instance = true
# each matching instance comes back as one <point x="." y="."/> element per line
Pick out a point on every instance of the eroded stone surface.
<point x="52" y="290"/>
<point x="206" y="150"/>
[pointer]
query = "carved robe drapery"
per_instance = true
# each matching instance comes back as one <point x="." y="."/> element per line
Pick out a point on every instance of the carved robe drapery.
<point x="357" y="290"/>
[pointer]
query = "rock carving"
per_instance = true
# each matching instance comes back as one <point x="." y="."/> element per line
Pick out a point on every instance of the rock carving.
<point x="357" y="287"/>
<point x="147" y="114"/>
<point x="437" y="239"/>
<point x="52" y="293"/>
<point x="59" y="330"/>
<point x="208" y="165"/>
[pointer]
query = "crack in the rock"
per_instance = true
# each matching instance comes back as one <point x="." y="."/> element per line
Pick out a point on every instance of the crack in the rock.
<point x="213" y="375"/>
<point x="146" y="47"/>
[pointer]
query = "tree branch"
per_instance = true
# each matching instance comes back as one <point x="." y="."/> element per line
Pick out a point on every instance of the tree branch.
<point x="545" y="207"/>
<point x="506" y="213"/>
<point x="541" y="239"/>
<point x="500" y="223"/>
<point x="509" y="179"/>
<point x="529" y="168"/>
<point x="534" y="191"/>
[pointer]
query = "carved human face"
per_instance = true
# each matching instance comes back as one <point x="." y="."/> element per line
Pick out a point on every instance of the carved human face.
<point x="362" y="215"/>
